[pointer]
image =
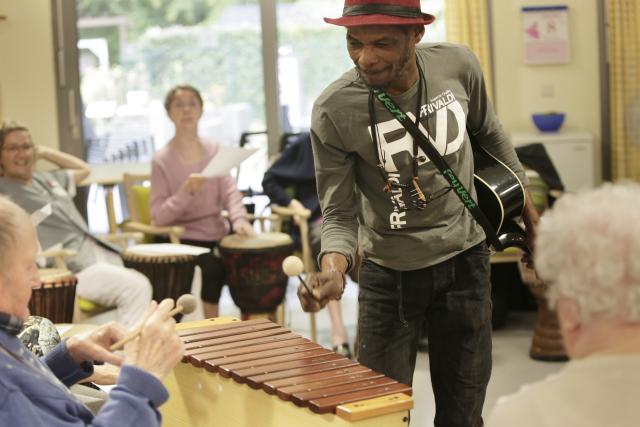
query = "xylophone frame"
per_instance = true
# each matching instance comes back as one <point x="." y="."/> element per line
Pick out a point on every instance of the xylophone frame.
<point x="200" y="398"/>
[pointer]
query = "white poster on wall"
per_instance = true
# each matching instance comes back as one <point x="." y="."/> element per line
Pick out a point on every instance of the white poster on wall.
<point x="546" y="34"/>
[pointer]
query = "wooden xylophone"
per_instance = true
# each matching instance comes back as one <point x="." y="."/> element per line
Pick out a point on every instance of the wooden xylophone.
<point x="257" y="373"/>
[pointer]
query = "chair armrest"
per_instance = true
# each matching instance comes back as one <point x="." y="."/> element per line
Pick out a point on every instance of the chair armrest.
<point x="122" y="238"/>
<point x="263" y="220"/>
<point x="59" y="256"/>
<point x="556" y="194"/>
<point x="286" y="211"/>
<point x="253" y="217"/>
<point x="51" y="253"/>
<point x="173" y="231"/>
<point x="263" y="217"/>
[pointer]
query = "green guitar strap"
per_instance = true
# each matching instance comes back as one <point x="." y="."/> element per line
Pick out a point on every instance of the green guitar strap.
<point x="442" y="166"/>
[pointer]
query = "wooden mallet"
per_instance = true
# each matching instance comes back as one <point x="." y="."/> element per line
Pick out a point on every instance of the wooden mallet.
<point x="185" y="304"/>
<point x="293" y="266"/>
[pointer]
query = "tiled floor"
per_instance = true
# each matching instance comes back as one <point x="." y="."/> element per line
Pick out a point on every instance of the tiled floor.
<point x="511" y="363"/>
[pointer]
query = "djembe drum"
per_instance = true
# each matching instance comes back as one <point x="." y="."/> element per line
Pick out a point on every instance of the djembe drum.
<point x="253" y="270"/>
<point x="169" y="267"/>
<point x="546" y="343"/>
<point x="257" y="373"/>
<point x="56" y="296"/>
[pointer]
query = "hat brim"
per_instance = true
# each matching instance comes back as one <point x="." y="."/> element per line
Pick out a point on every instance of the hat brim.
<point x="378" y="19"/>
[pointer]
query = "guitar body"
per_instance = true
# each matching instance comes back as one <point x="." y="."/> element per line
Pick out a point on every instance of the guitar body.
<point x="501" y="197"/>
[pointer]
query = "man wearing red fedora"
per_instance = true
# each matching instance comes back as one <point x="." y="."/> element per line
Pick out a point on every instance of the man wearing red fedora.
<point x="424" y="255"/>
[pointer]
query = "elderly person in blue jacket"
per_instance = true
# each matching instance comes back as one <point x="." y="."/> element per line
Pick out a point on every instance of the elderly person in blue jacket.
<point x="33" y="392"/>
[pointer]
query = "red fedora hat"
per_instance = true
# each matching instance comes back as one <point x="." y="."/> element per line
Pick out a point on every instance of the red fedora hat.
<point x="381" y="12"/>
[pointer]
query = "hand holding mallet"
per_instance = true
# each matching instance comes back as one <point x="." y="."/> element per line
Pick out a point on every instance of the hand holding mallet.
<point x="185" y="304"/>
<point x="293" y="266"/>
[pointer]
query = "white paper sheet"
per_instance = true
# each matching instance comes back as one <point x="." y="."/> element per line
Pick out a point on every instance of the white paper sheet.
<point x="226" y="159"/>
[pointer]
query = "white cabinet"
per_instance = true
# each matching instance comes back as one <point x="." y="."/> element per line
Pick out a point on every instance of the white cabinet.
<point x="571" y="153"/>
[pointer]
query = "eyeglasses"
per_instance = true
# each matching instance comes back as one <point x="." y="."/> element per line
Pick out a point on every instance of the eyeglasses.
<point x="18" y="147"/>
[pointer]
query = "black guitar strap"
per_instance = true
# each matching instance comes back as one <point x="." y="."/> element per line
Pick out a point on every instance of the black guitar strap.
<point x="442" y="166"/>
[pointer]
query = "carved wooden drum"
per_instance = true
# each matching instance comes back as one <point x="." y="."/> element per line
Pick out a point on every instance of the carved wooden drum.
<point x="546" y="343"/>
<point x="254" y="270"/>
<point x="169" y="267"/>
<point x="56" y="296"/>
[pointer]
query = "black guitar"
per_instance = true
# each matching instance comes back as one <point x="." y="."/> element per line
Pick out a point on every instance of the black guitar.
<point x="500" y="196"/>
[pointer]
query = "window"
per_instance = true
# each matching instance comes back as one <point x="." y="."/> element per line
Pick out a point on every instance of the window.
<point x="131" y="53"/>
<point x="130" y="58"/>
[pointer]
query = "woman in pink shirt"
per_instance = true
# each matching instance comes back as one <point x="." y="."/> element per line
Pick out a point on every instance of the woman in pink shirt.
<point x="180" y="195"/>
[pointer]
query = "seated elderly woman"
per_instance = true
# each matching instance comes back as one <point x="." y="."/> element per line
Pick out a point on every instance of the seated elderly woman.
<point x="102" y="282"/>
<point x="34" y="391"/>
<point x="586" y="252"/>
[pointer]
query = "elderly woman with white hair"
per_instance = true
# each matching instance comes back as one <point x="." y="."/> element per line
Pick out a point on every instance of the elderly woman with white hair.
<point x="587" y="253"/>
<point x="33" y="392"/>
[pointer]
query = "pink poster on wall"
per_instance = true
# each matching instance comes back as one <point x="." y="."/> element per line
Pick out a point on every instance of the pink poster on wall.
<point x="546" y="34"/>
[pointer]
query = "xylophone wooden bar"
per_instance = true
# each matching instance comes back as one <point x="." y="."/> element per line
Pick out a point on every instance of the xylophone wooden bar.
<point x="285" y="393"/>
<point x="270" y="355"/>
<point x="275" y="385"/>
<point x="207" y="359"/>
<point x="204" y="351"/>
<point x="223" y="337"/>
<point x="311" y="351"/>
<point x="236" y="331"/>
<point x="211" y="327"/>
<point x="237" y="381"/>
<point x="322" y="391"/>
<point x="257" y="380"/>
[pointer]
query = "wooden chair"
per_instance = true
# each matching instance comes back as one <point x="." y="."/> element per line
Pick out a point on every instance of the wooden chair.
<point x="288" y="214"/>
<point x="138" y="192"/>
<point x="138" y="195"/>
<point x="84" y="308"/>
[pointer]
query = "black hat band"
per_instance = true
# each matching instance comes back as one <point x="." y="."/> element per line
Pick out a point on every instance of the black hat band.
<point x="382" y="9"/>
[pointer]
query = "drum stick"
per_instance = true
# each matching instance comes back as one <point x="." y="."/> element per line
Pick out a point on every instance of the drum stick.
<point x="293" y="266"/>
<point x="185" y="304"/>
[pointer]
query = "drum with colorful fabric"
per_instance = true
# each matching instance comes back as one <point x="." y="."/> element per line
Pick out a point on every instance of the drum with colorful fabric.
<point x="169" y="267"/>
<point x="55" y="298"/>
<point x="254" y="270"/>
<point x="546" y="344"/>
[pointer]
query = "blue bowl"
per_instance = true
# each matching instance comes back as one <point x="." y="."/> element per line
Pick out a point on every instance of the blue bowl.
<point x="548" y="122"/>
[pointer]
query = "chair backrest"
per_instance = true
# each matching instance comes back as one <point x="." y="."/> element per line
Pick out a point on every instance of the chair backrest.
<point x="539" y="190"/>
<point x="287" y="214"/>
<point x="138" y="197"/>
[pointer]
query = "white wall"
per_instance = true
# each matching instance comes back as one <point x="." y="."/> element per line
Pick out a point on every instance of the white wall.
<point x="573" y="88"/>
<point x="27" y="77"/>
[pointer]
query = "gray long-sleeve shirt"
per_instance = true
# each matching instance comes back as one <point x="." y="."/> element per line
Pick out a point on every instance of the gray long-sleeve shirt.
<point x="356" y="210"/>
